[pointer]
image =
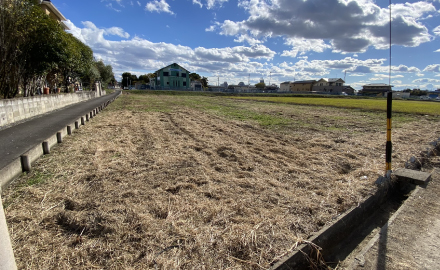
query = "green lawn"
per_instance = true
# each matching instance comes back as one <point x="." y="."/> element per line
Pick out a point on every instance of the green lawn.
<point x="403" y="106"/>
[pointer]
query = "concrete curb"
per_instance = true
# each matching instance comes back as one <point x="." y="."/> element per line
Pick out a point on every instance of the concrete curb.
<point x="21" y="164"/>
<point x="7" y="259"/>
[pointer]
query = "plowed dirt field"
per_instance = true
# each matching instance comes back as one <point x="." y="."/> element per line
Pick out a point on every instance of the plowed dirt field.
<point x="192" y="182"/>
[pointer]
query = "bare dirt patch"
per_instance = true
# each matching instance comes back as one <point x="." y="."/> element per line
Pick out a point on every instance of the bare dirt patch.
<point x="173" y="182"/>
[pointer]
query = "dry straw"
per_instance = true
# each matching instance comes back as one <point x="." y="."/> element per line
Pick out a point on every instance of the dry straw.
<point x="188" y="188"/>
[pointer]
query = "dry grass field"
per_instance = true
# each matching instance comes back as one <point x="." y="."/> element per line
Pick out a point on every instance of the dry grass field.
<point x="193" y="182"/>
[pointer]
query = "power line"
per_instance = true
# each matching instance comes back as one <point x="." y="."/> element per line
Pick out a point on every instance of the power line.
<point x="389" y="78"/>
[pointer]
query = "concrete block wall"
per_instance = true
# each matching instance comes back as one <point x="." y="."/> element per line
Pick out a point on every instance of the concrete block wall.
<point x="14" y="110"/>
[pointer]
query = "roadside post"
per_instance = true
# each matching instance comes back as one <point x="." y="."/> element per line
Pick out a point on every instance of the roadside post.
<point x="389" y="146"/>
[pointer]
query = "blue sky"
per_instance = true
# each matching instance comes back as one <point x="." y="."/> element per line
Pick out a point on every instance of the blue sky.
<point x="278" y="40"/>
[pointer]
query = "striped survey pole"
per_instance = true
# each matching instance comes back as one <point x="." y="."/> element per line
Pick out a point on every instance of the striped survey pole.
<point x="389" y="146"/>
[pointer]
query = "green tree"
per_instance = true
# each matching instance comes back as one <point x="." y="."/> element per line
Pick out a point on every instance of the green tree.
<point x="144" y="78"/>
<point x="106" y="71"/>
<point x="194" y="77"/>
<point x="77" y="59"/>
<point x="43" y="50"/>
<point x="204" y="81"/>
<point x="126" y="77"/>
<point x="260" y="85"/>
<point x="15" y="24"/>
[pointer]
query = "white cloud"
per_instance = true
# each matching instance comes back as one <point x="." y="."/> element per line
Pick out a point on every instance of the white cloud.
<point x="436" y="30"/>
<point x="386" y="76"/>
<point x="210" y="4"/>
<point x="246" y="38"/>
<point x="139" y="3"/>
<point x="116" y="31"/>
<point x="432" y="68"/>
<point x="426" y="80"/>
<point x="198" y="3"/>
<point x="158" y="6"/>
<point x="142" y="54"/>
<point x="301" y="45"/>
<point x="110" y="6"/>
<point x="348" y="25"/>
<point x="210" y="28"/>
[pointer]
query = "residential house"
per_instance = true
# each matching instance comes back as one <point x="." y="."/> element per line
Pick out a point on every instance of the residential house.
<point x="238" y="88"/>
<point x="399" y="95"/>
<point x="285" y="86"/>
<point x="375" y="89"/>
<point x="196" y="86"/>
<point x="348" y="90"/>
<point x="172" y="76"/>
<point x="332" y="86"/>
<point x="302" y="86"/>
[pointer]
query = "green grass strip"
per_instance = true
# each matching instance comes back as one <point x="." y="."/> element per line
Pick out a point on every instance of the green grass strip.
<point x="403" y="106"/>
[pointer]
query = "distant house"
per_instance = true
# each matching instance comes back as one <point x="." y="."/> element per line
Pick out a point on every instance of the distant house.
<point x="53" y="12"/>
<point x="332" y="86"/>
<point x="375" y="89"/>
<point x="285" y="87"/>
<point x="238" y="88"/>
<point x="399" y="95"/>
<point x="302" y="86"/>
<point x="171" y="77"/>
<point x="348" y="90"/>
<point x="196" y="86"/>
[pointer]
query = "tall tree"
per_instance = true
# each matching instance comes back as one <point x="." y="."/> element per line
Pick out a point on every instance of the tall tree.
<point x="194" y="77"/>
<point x="204" y="81"/>
<point x="144" y="78"/>
<point x="260" y="85"/>
<point x="126" y="77"/>
<point x="77" y="59"/>
<point x="106" y="71"/>
<point x="43" y="50"/>
<point x="15" y="24"/>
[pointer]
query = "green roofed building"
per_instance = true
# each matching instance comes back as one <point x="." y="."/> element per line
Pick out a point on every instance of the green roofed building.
<point x="171" y="77"/>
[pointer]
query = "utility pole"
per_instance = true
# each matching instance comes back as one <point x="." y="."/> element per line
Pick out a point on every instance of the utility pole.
<point x="270" y="77"/>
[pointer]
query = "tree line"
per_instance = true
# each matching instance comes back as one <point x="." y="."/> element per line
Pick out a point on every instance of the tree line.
<point x="35" y="51"/>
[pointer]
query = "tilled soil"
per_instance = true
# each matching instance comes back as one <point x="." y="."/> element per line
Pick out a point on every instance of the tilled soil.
<point x="161" y="182"/>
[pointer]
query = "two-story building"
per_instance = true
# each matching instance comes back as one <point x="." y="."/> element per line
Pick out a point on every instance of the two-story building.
<point x="375" y="89"/>
<point x="332" y="86"/>
<point x="302" y="86"/>
<point x="172" y="76"/>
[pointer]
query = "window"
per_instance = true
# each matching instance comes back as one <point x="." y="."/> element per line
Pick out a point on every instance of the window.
<point x="165" y="74"/>
<point x="184" y="83"/>
<point x="184" y="75"/>
<point x="168" y="82"/>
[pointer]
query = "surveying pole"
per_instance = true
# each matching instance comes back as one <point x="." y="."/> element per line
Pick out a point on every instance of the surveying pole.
<point x="389" y="146"/>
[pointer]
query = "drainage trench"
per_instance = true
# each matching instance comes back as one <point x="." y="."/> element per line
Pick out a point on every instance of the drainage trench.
<point x="346" y="251"/>
<point x="341" y="241"/>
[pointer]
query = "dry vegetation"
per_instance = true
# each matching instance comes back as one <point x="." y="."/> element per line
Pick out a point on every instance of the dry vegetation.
<point x="175" y="182"/>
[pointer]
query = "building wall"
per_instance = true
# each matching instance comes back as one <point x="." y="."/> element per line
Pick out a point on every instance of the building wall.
<point x="301" y="87"/>
<point x="14" y="110"/>
<point x="284" y="87"/>
<point x="328" y="89"/>
<point x="173" y="77"/>
<point x="50" y="13"/>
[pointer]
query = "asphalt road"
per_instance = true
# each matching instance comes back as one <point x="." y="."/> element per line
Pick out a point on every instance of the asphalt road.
<point x="17" y="139"/>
